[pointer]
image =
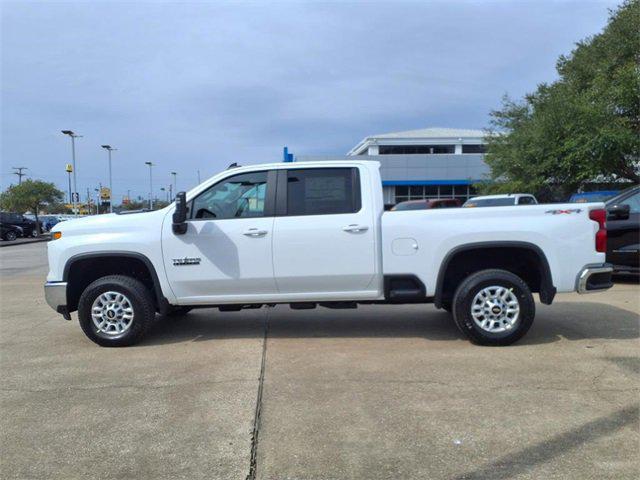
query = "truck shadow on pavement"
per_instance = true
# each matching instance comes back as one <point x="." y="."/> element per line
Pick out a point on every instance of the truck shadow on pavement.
<point x="562" y="321"/>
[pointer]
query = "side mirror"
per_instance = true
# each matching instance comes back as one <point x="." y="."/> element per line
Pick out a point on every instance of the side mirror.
<point x="618" y="212"/>
<point x="180" y="214"/>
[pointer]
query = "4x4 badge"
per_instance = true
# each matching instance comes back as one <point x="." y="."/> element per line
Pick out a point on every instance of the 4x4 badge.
<point x="186" y="261"/>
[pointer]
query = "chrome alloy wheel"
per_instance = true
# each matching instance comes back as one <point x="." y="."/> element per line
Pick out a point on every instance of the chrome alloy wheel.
<point x="112" y="313"/>
<point x="495" y="309"/>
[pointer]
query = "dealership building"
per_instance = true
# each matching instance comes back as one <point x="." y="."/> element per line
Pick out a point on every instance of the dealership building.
<point x="426" y="163"/>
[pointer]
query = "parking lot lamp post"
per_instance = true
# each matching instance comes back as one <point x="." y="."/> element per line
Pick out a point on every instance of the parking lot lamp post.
<point x="73" y="137"/>
<point x="150" y="185"/>
<point x="175" y="189"/>
<point x="110" y="149"/>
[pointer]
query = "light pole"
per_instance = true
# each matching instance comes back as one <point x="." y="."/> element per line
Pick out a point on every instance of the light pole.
<point x="73" y="162"/>
<point x="73" y="137"/>
<point x="175" y="188"/>
<point x="150" y="185"/>
<point x="110" y="149"/>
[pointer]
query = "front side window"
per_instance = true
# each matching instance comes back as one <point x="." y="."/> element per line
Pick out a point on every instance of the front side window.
<point x="526" y="201"/>
<point x="240" y="196"/>
<point x="323" y="191"/>
<point x="634" y="203"/>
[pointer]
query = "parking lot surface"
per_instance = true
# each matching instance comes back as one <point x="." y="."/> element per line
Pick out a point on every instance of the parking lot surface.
<point x="380" y="392"/>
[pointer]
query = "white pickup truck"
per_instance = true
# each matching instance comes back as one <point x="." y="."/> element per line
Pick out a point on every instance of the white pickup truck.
<point x="315" y="234"/>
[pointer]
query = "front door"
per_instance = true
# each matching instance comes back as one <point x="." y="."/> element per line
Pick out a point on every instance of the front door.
<point x="225" y="255"/>
<point x="324" y="235"/>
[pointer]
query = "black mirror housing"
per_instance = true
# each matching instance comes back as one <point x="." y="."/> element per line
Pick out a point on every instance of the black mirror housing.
<point x="618" y="212"/>
<point x="180" y="214"/>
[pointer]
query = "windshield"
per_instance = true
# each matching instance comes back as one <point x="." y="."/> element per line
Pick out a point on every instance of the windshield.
<point x="491" y="202"/>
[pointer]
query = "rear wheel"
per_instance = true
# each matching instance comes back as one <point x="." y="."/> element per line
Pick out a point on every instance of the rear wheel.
<point x="493" y="307"/>
<point x="116" y="311"/>
<point x="10" y="236"/>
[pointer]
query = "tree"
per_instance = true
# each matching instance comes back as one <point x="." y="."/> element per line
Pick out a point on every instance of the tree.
<point x="30" y="195"/>
<point x="583" y="127"/>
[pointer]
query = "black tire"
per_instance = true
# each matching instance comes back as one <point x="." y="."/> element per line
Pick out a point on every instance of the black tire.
<point x="10" y="236"/>
<point x="178" y="311"/>
<point x="472" y="286"/>
<point x="34" y="233"/>
<point x="138" y="296"/>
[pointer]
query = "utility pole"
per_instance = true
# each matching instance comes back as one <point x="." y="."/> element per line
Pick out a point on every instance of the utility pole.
<point x="150" y="185"/>
<point x="73" y="137"/>
<point x="69" y="169"/>
<point x="175" y="188"/>
<point x="19" y="173"/>
<point x="110" y="149"/>
<point x="198" y="177"/>
<point x="170" y="193"/>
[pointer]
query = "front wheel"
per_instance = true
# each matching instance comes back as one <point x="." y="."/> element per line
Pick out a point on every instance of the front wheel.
<point x="10" y="236"/>
<point x="116" y="311"/>
<point x="493" y="307"/>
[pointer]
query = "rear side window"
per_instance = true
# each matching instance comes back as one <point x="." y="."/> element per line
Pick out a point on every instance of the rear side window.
<point x="526" y="201"/>
<point x="323" y="191"/>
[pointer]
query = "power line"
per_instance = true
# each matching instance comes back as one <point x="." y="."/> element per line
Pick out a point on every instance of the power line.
<point x="19" y="173"/>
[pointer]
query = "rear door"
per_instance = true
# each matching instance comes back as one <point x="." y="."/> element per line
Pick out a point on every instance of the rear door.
<point x="324" y="234"/>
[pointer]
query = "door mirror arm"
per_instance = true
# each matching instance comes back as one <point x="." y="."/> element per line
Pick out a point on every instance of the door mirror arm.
<point x="179" y="225"/>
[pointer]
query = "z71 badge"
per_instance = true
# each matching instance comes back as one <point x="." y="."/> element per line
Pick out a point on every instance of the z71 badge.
<point x="186" y="261"/>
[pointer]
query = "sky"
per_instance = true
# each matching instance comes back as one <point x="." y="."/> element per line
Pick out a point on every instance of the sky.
<point x="194" y="86"/>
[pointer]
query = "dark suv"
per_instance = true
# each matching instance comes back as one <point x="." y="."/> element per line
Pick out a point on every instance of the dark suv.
<point x="427" y="204"/>
<point x="27" y="226"/>
<point x="623" y="231"/>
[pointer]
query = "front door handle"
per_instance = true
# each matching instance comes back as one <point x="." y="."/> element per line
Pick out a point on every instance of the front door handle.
<point x="254" y="232"/>
<point x="354" y="228"/>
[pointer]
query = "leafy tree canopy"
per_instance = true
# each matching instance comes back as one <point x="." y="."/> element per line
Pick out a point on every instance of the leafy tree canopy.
<point x="30" y="195"/>
<point x="583" y="127"/>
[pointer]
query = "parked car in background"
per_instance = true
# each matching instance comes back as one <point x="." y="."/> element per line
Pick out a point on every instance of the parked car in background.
<point x="587" y="197"/>
<point x="504" y="200"/>
<point x="9" y="232"/>
<point x="49" y="221"/>
<point x="27" y="225"/>
<point x="623" y="230"/>
<point x="427" y="204"/>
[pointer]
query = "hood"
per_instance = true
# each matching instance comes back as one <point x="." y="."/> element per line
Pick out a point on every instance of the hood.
<point x="111" y="222"/>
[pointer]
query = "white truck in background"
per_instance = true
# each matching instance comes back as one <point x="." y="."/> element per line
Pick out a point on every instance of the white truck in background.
<point x="316" y="234"/>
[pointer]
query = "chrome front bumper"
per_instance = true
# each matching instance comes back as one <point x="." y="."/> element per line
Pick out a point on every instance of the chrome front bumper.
<point x="594" y="278"/>
<point x="55" y="293"/>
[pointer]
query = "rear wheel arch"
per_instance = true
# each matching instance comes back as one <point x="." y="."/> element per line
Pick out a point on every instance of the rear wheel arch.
<point x="100" y="264"/>
<point x="449" y="275"/>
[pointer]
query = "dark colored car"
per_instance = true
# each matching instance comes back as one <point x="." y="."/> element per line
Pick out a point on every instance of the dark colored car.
<point x="28" y="226"/>
<point x="427" y="204"/>
<point x="9" y="232"/>
<point x="623" y="231"/>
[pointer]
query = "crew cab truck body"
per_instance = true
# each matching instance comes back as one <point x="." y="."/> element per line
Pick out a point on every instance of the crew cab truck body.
<point x="316" y="233"/>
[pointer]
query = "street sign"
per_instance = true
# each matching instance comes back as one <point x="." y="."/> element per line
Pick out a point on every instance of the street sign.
<point x="68" y="168"/>
<point x="105" y="193"/>
<point x="76" y="197"/>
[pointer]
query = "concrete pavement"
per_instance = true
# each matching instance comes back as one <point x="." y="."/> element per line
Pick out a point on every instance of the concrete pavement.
<point x="378" y="392"/>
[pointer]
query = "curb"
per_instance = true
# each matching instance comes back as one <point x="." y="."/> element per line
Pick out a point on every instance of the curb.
<point x="28" y="241"/>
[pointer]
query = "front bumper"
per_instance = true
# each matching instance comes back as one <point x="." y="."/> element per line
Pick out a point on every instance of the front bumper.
<point x="594" y="278"/>
<point x="55" y="293"/>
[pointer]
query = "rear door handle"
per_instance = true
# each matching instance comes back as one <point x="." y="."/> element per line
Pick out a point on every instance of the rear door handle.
<point x="355" y="228"/>
<point x="254" y="232"/>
